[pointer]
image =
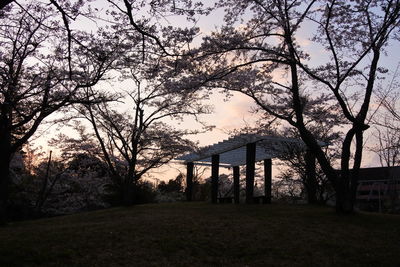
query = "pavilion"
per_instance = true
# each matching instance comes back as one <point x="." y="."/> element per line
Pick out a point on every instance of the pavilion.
<point x="244" y="149"/>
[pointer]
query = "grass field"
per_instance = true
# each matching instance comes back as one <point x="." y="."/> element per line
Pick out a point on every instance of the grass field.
<point x="201" y="234"/>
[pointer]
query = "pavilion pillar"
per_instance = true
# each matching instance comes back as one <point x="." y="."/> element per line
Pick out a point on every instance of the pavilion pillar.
<point x="250" y="170"/>
<point x="236" y="185"/>
<point x="214" y="178"/>
<point x="189" y="181"/>
<point x="267" y="180"/>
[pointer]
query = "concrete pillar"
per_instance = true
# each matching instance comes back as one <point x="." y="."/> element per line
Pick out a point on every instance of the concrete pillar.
<point x="267" y="180"/>
<point x="189" y="181"/>
<point x="214" y="178"/>
<point x="236" y="185"/>
<point x="250" y="170"/>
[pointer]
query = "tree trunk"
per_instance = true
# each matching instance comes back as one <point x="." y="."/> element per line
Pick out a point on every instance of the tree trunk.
<point x="344" y="201"/>
<point x="5" y="159"/>
<point x="310" y="178"/>
<point x="128" y="193"/>
<point x="44" y="190"/>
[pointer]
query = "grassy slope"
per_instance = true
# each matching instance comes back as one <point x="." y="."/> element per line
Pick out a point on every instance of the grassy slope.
<point x="200" y="234"/>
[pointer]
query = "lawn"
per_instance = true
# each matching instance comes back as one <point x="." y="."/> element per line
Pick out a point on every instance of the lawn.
<point x="201" y="234"/>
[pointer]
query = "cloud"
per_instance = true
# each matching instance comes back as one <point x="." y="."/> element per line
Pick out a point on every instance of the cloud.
<point x="234" y="112"/>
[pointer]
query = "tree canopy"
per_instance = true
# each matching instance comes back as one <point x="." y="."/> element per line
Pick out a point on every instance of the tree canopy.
<point x="259" y="52"/>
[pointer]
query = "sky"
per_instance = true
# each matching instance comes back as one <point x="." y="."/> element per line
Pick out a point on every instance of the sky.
<point x="236" y="112"/>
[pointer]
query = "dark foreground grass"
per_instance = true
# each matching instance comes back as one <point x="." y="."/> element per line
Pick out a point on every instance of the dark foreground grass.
<point x="200" y="234"/>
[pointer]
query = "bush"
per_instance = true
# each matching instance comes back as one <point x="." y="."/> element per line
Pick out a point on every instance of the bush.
<point x="140" y="193"/>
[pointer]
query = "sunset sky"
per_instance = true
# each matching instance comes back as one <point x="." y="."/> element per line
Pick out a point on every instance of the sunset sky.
<point x="235" y="112"/>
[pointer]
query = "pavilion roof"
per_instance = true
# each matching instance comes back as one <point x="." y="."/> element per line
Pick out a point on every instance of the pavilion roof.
<point x="232" y="151"/>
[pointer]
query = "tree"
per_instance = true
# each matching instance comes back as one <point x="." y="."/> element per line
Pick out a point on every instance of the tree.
<point x="61" y="186"/>
<point x="263" y="58"/>
<point x="80" y="186"/>
<point x="316" y="186"/>
<point x="301" y="163"/>
<point x="41" y="72"/>
<point x="388" y="147"/>
<point x="4" y="3"/>
<point x="173" y="185"/>
<point x="144" y="24"/>
<point x="387" y="124"/>
<point x="386" y="132"/>
<point x="140" y="140"/>
<point x="136" y="141"/>
<point x="287" y="189"/>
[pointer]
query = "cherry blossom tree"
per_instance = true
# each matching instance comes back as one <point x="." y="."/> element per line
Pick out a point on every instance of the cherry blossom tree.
<point x="386" y="122"/>
<point x="388" y="143"/>
<point x="59" y="185"/>
<point x="261" y="52"/>
<point x="42" y="71"/>
<point x="142" y="138"/>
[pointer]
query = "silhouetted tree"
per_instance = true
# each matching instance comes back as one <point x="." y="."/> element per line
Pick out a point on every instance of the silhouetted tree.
<point x="140" y="140"/>
<point x="386" y="132"/>
<point x="259" y="52"/>
<point x="41" y="73"/>
<point x="387" y="125"/>
<point x="4" y="3"/>
<point x="173" y="185"/>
